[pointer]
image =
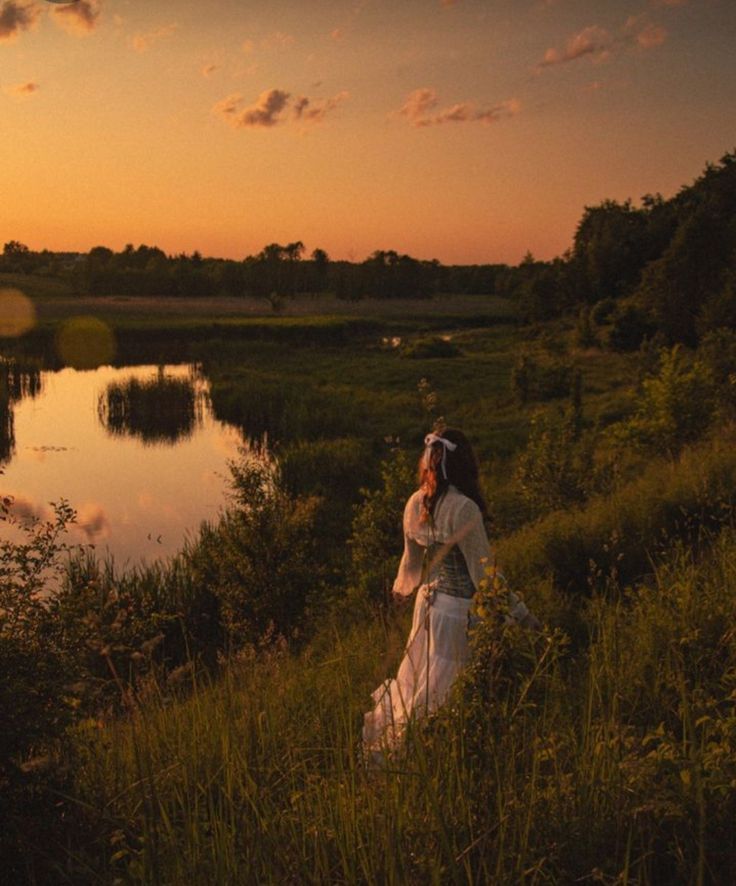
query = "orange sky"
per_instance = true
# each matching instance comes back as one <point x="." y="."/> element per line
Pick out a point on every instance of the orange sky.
<point x="468" y="131"/>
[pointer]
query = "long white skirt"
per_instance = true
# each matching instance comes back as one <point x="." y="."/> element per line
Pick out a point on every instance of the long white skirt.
<point x="436" y="651"/>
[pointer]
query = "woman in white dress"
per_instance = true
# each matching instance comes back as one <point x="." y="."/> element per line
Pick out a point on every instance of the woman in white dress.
<point x="445" y="555"/>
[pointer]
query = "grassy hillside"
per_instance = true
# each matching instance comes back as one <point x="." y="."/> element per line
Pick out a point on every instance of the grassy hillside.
<point x="203" y="747"/>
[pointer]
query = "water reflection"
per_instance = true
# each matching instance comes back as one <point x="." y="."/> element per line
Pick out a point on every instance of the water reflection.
<point x="17" y="381"/>
<point x="141" y="479"/>
<point x="164" y="409"/>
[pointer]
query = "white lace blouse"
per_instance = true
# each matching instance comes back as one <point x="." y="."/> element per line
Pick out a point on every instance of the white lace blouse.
<point x="457" y="521"/>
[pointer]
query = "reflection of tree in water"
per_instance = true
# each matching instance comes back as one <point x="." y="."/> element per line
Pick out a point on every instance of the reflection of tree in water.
<point x="162" y="410"/>
<point x="17" y="381"/>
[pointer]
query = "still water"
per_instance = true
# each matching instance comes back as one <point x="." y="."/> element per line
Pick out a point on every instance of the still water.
<point x="136" y="451"/>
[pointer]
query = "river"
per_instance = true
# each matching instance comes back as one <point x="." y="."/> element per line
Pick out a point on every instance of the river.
<point x="135" y="450"/>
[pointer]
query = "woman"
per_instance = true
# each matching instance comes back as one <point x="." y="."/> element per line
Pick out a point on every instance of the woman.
<point x="445" y="552"/>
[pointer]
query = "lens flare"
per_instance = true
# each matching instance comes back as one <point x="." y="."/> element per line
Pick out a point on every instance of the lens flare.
<point x="17" y="314"/>
<point x="85" y="343"/>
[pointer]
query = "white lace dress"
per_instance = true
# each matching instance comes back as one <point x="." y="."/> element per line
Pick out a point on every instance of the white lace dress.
<point x="437" y="647"/>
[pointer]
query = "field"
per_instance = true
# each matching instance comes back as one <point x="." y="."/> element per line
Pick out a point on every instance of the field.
<point x="599" y="751"/>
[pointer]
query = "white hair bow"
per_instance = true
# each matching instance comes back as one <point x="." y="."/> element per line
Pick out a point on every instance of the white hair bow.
<point x="429" y="441"/>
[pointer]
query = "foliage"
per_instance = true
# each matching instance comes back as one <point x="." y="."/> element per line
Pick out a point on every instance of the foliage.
<point x="618" y="535"/>
<point x="555" y="469"/>
<point x="376" y="541"/>
<point x="535" y="379"/>
<point x="675" y="406"/>
<point x="430" y="347"/>
<point x="262" y="560"/>
<point x="34" y="701"/>
<point x="631" y="328"/>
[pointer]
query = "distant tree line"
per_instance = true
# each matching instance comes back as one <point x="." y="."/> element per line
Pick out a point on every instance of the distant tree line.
<point x="665" y="267"/>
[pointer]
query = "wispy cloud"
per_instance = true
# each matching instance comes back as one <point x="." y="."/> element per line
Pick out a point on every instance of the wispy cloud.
<point x="591" y="41"/>
<point x="336" y="33"/>
<point x="144" y="41"/>
<point x="21" y="90"/>
<point x="80" y="18"/>
<point x="16" y="17"/>
<point x="599" y="45"/>
<point x="209" y="70"/>
<point x="315" y="110"/>
<point x="272" y="108"/>
<point x="420" y="109"/>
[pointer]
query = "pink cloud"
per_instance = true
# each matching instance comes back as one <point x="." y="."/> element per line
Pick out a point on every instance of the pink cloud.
<point x="599" y="45"/>
<point x="78" y="18"/>
<point x="16" y="17"/>
<point x="420" y="110"/>
<point x="651" y="36"/>
<point x="591" y="41"/>
<point x="270" y="108"/>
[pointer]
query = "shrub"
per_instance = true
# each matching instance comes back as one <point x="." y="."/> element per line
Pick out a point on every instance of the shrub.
<point x="376" y="542"/>
<point x="617" y="536"/>
<point x="533" y="379"/>
<point x="631" y="327"/>
<point x="555" y="468"/>
<point x="262" y="560"/>
<point x="602" y="310"/>
<point x="429" y="348"/>
<point x="674" y="408"/>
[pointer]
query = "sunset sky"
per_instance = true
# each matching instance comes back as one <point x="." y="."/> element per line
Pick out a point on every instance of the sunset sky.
<point x="467" y="131"/>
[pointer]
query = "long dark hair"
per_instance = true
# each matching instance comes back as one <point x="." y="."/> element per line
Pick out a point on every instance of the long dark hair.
<point x="461" y="466"/>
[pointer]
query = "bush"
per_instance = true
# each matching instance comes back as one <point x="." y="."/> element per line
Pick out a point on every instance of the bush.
<point x="429" y="348"/>
<point x="263" y="560"/>
<point x="674" y="408"/>
<point x="555" y="468"/>
<point x="602" y="310"/>
<point x="376" y="542"/>
<point x="631" y="327"/>
<point x="616" y="537"/>
<point x="533" y="379"/>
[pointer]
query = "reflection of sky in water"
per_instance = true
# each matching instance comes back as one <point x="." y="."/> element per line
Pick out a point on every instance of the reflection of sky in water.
<point x="139" y="499"/>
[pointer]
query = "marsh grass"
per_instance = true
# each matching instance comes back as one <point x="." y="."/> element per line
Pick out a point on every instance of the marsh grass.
<point x="614" y="764"/>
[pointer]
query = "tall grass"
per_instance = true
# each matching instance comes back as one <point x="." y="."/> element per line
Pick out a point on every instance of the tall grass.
<point x="614" y="765"/>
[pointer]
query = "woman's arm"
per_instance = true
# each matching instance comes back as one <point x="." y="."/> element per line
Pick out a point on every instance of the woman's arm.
<point x="472" y="540"/>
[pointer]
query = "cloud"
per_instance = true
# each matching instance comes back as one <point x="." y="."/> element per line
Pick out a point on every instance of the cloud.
<point x="17" y="16"/>
<point x="599" y="45"/>
<point x="22" y="90"/>
<point x="144" y="41"/>
<point x="591" y="41"/>
<point x="644" y="33"/>
<point x="209" y="70"/>
<point x="669" y="2"/>
<point x="78" y="18"/>
<point x="315" y="110"/>
<point x="651" y="36"/>
<point x="93" y="522"/>
<point x="420" y="109"/>
<point x="265" y="112"/>
<point x="448" y="3"/>
<point x="336" y="34"/>
<point x="271" y="106"/>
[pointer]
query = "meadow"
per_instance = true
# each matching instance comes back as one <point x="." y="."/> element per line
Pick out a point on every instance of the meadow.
<point x="213" y="706"/>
